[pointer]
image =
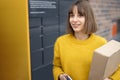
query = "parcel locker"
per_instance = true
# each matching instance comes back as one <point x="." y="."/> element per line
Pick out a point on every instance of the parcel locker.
<point x="35" y="39"/>
<point x="44" y="29"/>
<point x="47" y="22"/>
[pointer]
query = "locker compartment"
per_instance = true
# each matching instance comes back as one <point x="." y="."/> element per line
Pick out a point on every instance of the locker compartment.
<point x="35" y="39"/>
<point x="43" y="73"/>
<point x="35" y="32"/>
<point x="35" y="22"/>
<point x="50" y="29"/>
<point x="35" y="43"/>
<point x="48" y="55"/>
<point x="48" y="40"/>
<point x="51" y="20"/>
<point x="36" y="59"/>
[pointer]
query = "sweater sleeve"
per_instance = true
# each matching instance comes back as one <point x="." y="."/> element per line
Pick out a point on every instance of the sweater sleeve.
<point x="116" y="74"/>
<point x="57" y="69"/>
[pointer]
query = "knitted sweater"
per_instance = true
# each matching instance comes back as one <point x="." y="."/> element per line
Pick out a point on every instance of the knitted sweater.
<point x="73" y="57"/>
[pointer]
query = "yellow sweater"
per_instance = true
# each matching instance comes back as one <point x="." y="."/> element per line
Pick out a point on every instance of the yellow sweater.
<point x="73" y="57"/>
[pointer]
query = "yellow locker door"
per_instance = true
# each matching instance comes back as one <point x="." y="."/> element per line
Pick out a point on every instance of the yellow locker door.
<point x="14" y="40"/>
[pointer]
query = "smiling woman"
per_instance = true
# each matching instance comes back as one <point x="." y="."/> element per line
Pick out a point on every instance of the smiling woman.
<point x="70" y="55"/>
<point x="84" y="13"/>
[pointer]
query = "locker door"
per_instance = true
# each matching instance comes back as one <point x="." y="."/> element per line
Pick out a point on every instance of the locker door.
<point x="14" y="40"/>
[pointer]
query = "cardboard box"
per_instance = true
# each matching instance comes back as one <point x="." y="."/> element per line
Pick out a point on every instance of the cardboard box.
<point x="105" y="61"/>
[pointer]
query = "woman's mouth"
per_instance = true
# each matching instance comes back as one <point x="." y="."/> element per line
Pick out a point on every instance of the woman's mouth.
<point x="76" y="25"/>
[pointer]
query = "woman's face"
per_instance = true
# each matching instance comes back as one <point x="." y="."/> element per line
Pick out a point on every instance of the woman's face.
<point x="76" y="20"/>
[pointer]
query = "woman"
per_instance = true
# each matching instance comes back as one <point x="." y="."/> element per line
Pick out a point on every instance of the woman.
<point x="73" y="52"/>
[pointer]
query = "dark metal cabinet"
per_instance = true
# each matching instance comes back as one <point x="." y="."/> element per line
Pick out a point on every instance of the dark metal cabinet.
<point x="47" y="19"/>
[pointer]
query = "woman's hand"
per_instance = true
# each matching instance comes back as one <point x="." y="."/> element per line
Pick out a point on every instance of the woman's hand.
<point x="63" y="76"/>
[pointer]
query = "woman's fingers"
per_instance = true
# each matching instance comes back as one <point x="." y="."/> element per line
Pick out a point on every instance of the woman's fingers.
<point x="62" y="77"/>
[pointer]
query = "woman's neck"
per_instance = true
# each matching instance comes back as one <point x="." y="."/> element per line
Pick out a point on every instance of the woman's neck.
<point x="81" y="36"/>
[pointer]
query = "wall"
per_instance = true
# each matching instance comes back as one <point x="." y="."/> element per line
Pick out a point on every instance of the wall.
<point x="107" y="13"/>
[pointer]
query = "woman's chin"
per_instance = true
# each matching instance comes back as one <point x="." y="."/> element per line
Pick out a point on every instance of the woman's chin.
<point x="76" y="30"/>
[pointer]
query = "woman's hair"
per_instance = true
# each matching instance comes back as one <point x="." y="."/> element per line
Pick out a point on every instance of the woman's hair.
<point x="84" y="9"/>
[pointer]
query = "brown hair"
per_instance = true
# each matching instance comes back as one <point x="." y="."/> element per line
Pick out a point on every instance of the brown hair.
<point x="84" y="9"/>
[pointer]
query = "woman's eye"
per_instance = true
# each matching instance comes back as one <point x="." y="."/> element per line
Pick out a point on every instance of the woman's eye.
<point x="79" y="15"/>
<point x="71" y="15"/>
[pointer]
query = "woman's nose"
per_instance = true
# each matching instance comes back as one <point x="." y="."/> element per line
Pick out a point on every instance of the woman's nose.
<point x="75" y="18"/>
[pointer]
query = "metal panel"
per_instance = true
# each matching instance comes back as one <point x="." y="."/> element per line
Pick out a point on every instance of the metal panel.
<point x="44" y="73"/>
<point x="47" y="21"/>
<point x="50" y="29"/>
<point x="35" y="43"/>
<point x="35" y="22"/>
<point x="35" y="39"/>
<point x="35" y="32"/>
<point x="48" y="55"/>
<point x="36" y="59"/>
<point x="50" y="20"/>
<point x="48" y="40"/>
